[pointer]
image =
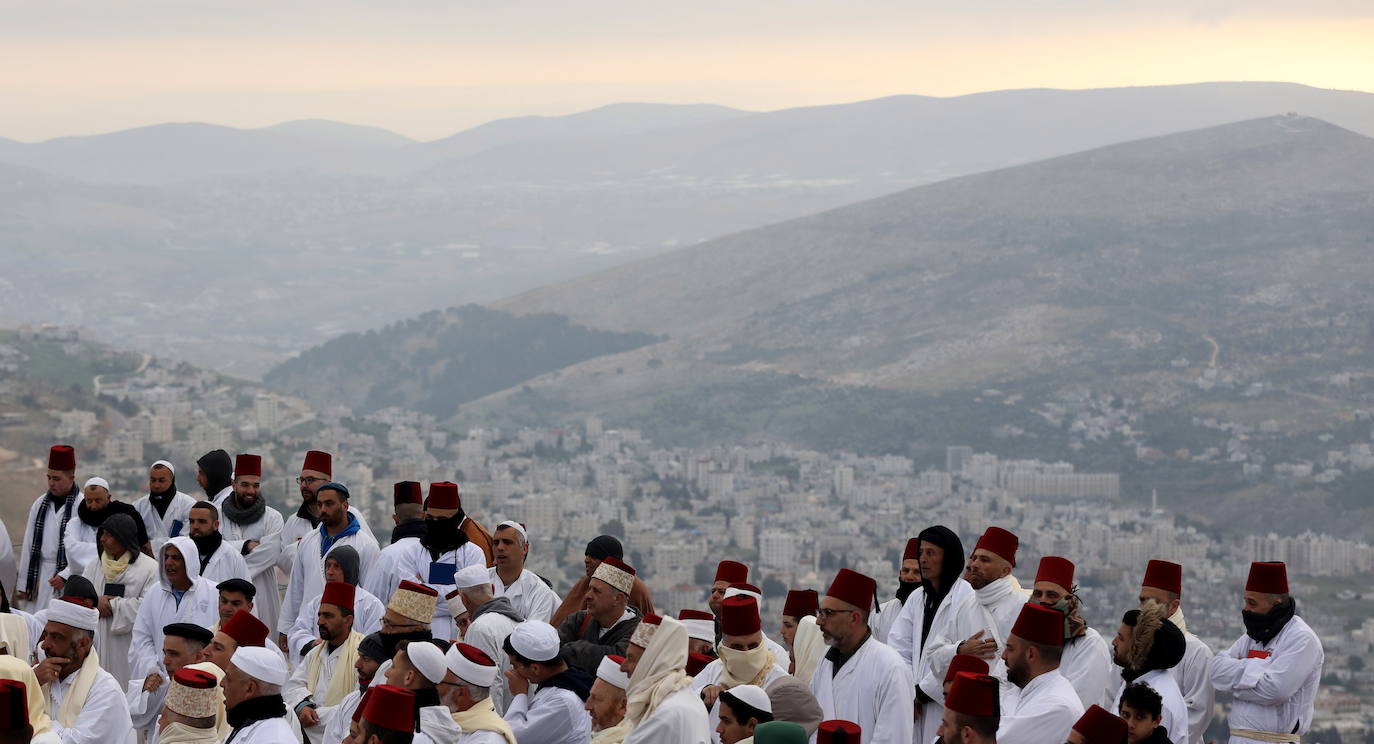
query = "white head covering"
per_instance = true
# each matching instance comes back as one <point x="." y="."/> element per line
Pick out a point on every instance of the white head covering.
<point x="428" y="660"/>
<point x="609" y="672"/>
<point x="96" y="481"/>
<point x="73" y="614"/>
<point x="808" y="646"/>
<point x="261" y="663"/>
<point x="752" y="696"/>
<point x="470" y="670"/>
<point x="536" y="640"/>
<point x="515" y="526"/>
<point x="659" y="672"/>
<point x="472" y="576"/>
<point x="700" y="630"/>
<point x="164" y="464"/>
<point x="736" y="591"/>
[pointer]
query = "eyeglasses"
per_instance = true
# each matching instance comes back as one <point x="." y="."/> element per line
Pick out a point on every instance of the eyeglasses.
<point x="827" y="612"/>
<point x="308" y="480"/>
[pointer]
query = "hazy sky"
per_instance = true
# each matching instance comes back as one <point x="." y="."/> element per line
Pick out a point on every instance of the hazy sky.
<point x="428" y="68"/>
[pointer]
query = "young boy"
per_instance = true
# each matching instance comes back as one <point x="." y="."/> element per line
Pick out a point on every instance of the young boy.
<point x="1143" y="708"/>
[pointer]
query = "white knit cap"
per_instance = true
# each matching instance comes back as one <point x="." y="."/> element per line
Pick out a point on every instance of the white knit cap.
<point x="535" y="640"/>
<point x="428" y="660"/>
<point x="70" y="613"/>
<point x="752" y="696"/>
<point x="96" y="481"/>
<point x="701" y="630"/>
<point x="609" y="672"/>
<point x="261" y="663"/>
<point x="472" y="576"/>
<point x="470" y="664"/>
<point x="515" y="526"/>
<point x="736" y="591"/>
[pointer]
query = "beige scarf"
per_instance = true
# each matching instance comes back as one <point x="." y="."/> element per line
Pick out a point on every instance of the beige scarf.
<point x="482" y="717"/>
<point x="76" y="696"/>
<point x="808" y="646"/>
<point x="14" y="637"/>
<point x="753" y="666"/>
<point x="1178" y="619"/>
<point x="180" y="733"/>
<point x="342" y="681"/>
<point x="659" y="671"/>
<point x="613" y="735"/>
<point x="113" y="567"/>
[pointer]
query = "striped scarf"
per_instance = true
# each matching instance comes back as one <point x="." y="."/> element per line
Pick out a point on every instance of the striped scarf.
<point x="36" y="545"/>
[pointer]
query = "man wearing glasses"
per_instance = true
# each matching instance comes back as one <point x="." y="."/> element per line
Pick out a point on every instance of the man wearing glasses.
<point x="315" y="472"/>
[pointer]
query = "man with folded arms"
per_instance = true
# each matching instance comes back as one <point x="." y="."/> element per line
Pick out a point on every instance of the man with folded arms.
<point x="605" y="628"/>
<point x="471" y="674"/>
<point x="660" y="704"/>
<point x="85" y="703"/>
<point x="553" y="714"/>
<point x="972" y="710"/>
<point x="606" y="702"/>
<point x="254" y="530"/>
<point x="193" y="701"/>
<point x="252" y="697"/>
<point x="326" y="675"/>
<point x="1048" y="704"/>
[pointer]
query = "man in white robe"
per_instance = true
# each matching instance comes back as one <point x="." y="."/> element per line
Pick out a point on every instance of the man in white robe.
<point x="1047" y="706"/>
<point x="528" y="593"/>
<point x="254" y="530"/>
<point x="85" y="703"/>
<point x="252" y="697"/>
<point x="1163" y="583"/>
<point x="492" y="620"/>
<point x="749" y="590"/>
<point x="165" y="510"/>
<point x="315" y="472"/>
<point x="326" y="675"/>
<point x="420" y="666"/>
<point x="1272" y="672"/>
<point x="121" y="576"/>
<point x="408" y="514"/>
<point x="972" y="711"/>
<point x="1146" y="647"/>
<point x="660" y="704"/>
<point x="219" y="559"/>
<point x="96" y="505"/>
<point x="606" y="702"/>
<point x="338" y="526"/>
<point x="925" y="616"/>
<point x="182" y="644"/>
<point x="1087" y="660"/>
<point x="340" y="565"/>
<point x="743" y="657"/>
<point x="908" y="581"/>
<point x="981" y="623"/>
<point x="192" y="709"/>
<point x="553" y="712"/>
<point x="44" y="554"/>
<point x="372" y="660"/>
<point x="860" y="679"/>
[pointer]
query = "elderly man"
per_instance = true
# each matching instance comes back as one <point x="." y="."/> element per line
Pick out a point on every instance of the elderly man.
<point x="599" y="549"/>
<point x="43" y="559"/>
<point x="254" y="530"/>
<point x="1146" y="647"/>
<point x="96" y="505"/>
<point x="981" y="622"/>
<point x="121" y="576"/>
<point x="660" y="704"/>
<point x="471" y="674"/>
<point x="1047" y="705"/>
<point x="553" y="713"/>
<point x="606" y="626"/>
<point x="252" y="697"/>
<point x="859" y="679"/>
<point x="85" y="703"/>
<point x="340" y="565"/>
<point x="1163" y="583"/>
<point x="972" y="710"/>
<point x="744" y="659"/>
<point x="1087" y="661"/>
<point x="491" y="621"/>
<point x="338" y="526"/>
<point x="165" y="509"/>
<point x="1273" y="670"/>
<point x="528" y="593"/>
<point x="606" y="702"/>
<point x="193" y="703"/>
<point x="326" y="675"/>
<point x="218" y="560"/>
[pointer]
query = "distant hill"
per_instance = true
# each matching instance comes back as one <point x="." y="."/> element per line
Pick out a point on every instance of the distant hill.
<point x="340" y="134"/>
<point x="443" y="359"/>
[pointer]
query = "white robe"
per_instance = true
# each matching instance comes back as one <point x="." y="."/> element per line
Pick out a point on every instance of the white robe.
<point x="1175" y="714"/>
<point x="1276" y="693"/>
<point x="1044" y="712"/>
<point x="295" y="528"/>
<point x="172" y="524"/>
<point x="269" y="731"/>
<point x="529" y="595"/>
<point x="104" y="719"/>
<point x="383" y="580"/>
<point x="8" y="568"/>
<point x="489" y="632"/>
<point x="552" y="715"/>
<point x="367" y="619"/>
<point x="905" y="638"/>
<point x="680" y="719"/>
<point x="1087" y="665"/>
<point x="873" y="688"/>
<point x="336" y="719"/>
<point x="298" y="688"/>
<point x="114" y="635"/>
<point x="881" y="622"/>
<point x="711" y="676"/>
<point x="993" y="610"/>
<point x="437" y="723"/>
<point x="307" y="571"/>
<point x="412" y="564"/>
<point x="1194" y="679"/>
<point x="225" y="564"/>
<point x="261" y="561"/>
<point x="47" y="567"/>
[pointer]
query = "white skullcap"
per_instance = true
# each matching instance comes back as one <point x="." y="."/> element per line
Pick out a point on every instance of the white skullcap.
<point x="736" y="591"/>
<point x="471" y="664"/>
<point x="70" y="613"/>
<point x="609" y="672"/>
<point x="164" y="464"/>
<point x="535" y="640"/>
<point x="752" y="696"/>
<point x="472" y="576"/>
<point x="428" y="660"/>
<point x="96" y="481"/>
<point x="261" y="663"/>
<point x="515" y="526"/>
<point x="701" y="630"/>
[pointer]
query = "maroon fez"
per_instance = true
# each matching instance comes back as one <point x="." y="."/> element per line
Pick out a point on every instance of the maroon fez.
<point x="912" y="551"/>
<point x="1000" y="542"/>
<point x="407" y="492"/>
<point x="854" y="588"/>
<point x="318" y="461"/>
<point x="245" y="629"/>
<point x="1098" y="726"/>
<point x="443" y="495"/>
<point x="973" y="695"/>
<point x="739" y="616"/>
<point x="695" y="615"/>
<point x="247" y="465"/>
<point x="838" y="732"/>
<point x="732" y="572"/>
<point x="62" y="457"/>
<point x="696" y="663"/>
<point x="801" y="603"/>
<point x="1039" y="624"/>
<point x="390" y="707"/>
<point x="14" y="705"/>
<point x="1164" y="575"/>
<point x="965" y="663"/>
<point x="1268" y="578"/>
<point x="1056" y="570"/>
<point x="339" y="594"/>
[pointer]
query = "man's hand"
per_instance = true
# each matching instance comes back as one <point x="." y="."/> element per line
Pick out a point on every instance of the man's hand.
<point x="975" y="646"/>
<point x="250" y="545"/>
<point x="916" y="710"/>
<point x="104" y="607"/>
<point x="47" y="671"/>
<point x="308" y="717"/>
<point x="518" y="685"/>
<point x="281" y="643"/>
<point x="709" y="695"/>
<point x="152" y="683"/>
<point x="57" y="582"/>
<point x="22" y="595"/>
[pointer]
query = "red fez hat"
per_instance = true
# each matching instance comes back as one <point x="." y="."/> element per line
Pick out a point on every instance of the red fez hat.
<point x="965" y="663"/>
<point x="1056" y="570"/>
<point x="319" y="461"/>
<point x="1269" y="578"/>
<point x="1164" y="575"/>
<point x="913" y="547"/>
<point x="696" y="614"/>
<point x="732" y="572"/>
<point x="999" y="541"/>
<point x="617" y="563"/>
<point x="247" y="465"/>
<point x="696" y="663"/>
<point x="973" y="695"/>
<point x="62" y="457"/>
<point x="854" y="588"/>
<point x="390" y="707"/>
<point x="443" y="495"/>
<point x="195" y="679"/>
<point x="1039" y="624"/>
<point x="339" y="594"/>
<point x="838" y="732"/>
<point x="739" y="616"/>
<point x="245" y="629"/>
<point x="14" y="705"/>
<point x="475" y="655"/>
<point x="1098" y="726"/>
<point x="410" y="586"/>
<point x="407" y="492"/>
<point x="801" y="603"/>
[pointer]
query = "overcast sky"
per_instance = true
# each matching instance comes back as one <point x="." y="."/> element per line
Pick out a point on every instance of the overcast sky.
<point x="428" y="68"/>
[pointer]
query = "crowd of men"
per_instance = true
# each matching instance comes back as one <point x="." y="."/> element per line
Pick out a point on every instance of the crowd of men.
<point x="166" y="621"/>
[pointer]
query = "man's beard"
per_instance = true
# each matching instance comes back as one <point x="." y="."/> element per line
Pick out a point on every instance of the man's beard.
<point x="976" y="580"/>
<point x="1018" y="675"/>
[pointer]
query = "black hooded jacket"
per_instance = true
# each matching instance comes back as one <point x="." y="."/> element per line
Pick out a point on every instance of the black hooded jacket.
<point x="950" y="568"/>
<point x="219" y="471"/>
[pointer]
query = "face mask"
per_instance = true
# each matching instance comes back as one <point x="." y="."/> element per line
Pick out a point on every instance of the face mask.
<point x="1264" y="627"/>
<point x="743" y="667"/>
<point x="391" y="640"/>
<point x="905" y="588"/>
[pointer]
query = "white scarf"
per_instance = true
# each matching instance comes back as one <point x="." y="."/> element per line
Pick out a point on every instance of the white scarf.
<point x="659" y="671"/>
<point x="613" y="735"/>
<point x="1178" y="619"/>
<point x="75" y="699"/>
<point x="808" y="646"/>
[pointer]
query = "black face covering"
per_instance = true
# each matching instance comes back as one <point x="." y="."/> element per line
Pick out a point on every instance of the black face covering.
<point x="162" y="500"/>
<point x="207" y="546"/>
<point x="443" y="535"/>
<point x="905" y="588"/>
<point x="391" y="640"/>
<point x="1264" y="627"/>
